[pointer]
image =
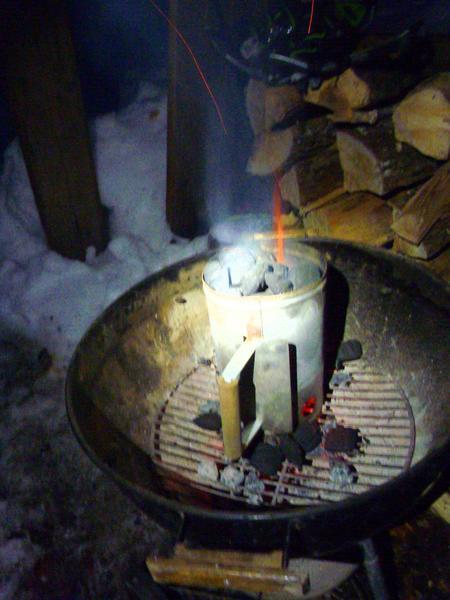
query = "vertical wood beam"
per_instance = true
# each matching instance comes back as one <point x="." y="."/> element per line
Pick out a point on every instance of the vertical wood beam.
<point x="43" y="89"/>
<point x="199" y="152"/>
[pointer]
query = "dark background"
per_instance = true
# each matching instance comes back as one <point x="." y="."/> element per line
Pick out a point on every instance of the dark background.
<point x="122" y="42"/>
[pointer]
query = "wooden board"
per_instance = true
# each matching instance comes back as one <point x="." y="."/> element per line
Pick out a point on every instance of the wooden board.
<point x="372" y="160"/>
<point x="358" y="217"/>
<point x="434" y="241"/>
<point x="183" y="571"/>
<point x="422" y="119"/>
<point x="429" y="204"/>
<point x="43" y="91"/>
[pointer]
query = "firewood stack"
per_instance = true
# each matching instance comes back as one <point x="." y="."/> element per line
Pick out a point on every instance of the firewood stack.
<point x="371" y="168"/>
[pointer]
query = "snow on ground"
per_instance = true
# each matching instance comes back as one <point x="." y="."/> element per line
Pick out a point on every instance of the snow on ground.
<point x="66" y="531"/>
<point x="52" y="300"/>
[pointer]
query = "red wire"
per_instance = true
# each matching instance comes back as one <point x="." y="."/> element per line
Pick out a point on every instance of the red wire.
<point x="311" y="17"/>
<point x="195" y="61"/>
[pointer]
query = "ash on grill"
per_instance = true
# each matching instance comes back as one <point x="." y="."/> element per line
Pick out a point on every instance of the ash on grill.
<point x="363" y="438"/>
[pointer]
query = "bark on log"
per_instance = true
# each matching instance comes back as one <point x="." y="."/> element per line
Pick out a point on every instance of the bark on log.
<point x="280" y="150"/>
<point x="373" y="161"/>
<point x="312" y="177"/>
<point x="279" y="101"/>
<point x="359" y="217"/>
<point x="434" y="241"/>
<point x="422" y="119"/>
<point x="428" y="205"/>
<point x="358" y="88"/>
<point x="268" y="105"/>
<point x="270" y="151"/>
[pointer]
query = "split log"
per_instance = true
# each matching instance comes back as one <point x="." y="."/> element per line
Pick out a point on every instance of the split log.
<point x="429" y="204"/>
<point x="358" y="88"/>
<point x="312" y="178"/>
<point x="373" y="161"/>
<point x="359" y="217"/>
<point x="434" y="241"/>
<point x="279" y="101"/>
<point x="268" y="105"/>
<point x="276" y="151"/>
<point x="322" y="201"/>
<point x="422" y="119"/>
<point x="399" y="200"/>
<point x="271" y="150"/>
<point x="440" y="265"/>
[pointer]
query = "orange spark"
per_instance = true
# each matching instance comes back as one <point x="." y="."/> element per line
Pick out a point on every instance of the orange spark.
<point x="311" y="17"/>
<point x="277" y="222"/>
<point x="194" y="60"/>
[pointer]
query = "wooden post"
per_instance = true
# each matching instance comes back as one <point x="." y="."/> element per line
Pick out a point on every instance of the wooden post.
<point x="42" y="87"/>
<point x="205" y="165"/>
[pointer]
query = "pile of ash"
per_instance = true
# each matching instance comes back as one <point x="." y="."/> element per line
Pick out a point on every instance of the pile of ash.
<point x="244" y="272"/>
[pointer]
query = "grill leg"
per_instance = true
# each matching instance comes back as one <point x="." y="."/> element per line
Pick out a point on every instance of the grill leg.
<point x="374" y="572"/>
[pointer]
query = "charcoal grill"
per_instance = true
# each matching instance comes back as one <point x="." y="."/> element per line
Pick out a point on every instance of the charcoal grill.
<point x="129" y="409"/>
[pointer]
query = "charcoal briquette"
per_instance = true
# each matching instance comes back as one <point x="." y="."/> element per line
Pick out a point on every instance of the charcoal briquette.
<point x="292" y="450"/>
<point x="277" y="284"/>
<point x="267" y="459"/>
<point x="342" y="439"/>
<point x="210" y="421"/>
<point x="308" y="435"/>
<point x="348" y="350"/>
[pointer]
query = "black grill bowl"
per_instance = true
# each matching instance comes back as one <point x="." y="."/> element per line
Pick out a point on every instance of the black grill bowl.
<point x="144" y="343"/>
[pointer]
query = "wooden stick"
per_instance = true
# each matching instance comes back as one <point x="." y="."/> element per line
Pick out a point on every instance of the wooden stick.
<point x="183" y="571"/>
<point x="230" y="557"/>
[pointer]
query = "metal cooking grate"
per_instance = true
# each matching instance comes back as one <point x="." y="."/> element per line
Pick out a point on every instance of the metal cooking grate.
<point x="373" y="403"/>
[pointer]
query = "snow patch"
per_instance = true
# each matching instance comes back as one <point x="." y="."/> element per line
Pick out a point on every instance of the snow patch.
<point x="53" y="300"/>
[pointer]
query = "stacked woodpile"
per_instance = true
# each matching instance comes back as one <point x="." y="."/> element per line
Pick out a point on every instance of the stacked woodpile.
<point x="373" y="167"/>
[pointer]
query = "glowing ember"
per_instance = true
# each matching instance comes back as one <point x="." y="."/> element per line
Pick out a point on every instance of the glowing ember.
<point x="277" y="222"/>
<point x="311" y="16"/>
<point x="309" y="406"/>
<point x="194" y="60"/>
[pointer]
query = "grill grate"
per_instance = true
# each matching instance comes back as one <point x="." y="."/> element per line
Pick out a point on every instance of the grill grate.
<point x="373" y="403"/>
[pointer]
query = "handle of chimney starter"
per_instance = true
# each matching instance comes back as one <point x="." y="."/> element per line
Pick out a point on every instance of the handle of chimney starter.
<point x="230" y="413"/>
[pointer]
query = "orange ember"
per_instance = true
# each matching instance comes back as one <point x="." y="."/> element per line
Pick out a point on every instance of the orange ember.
<point x="185" y="43"/>
<point x="277" y="222"/>
<point x="311" y="16"/>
